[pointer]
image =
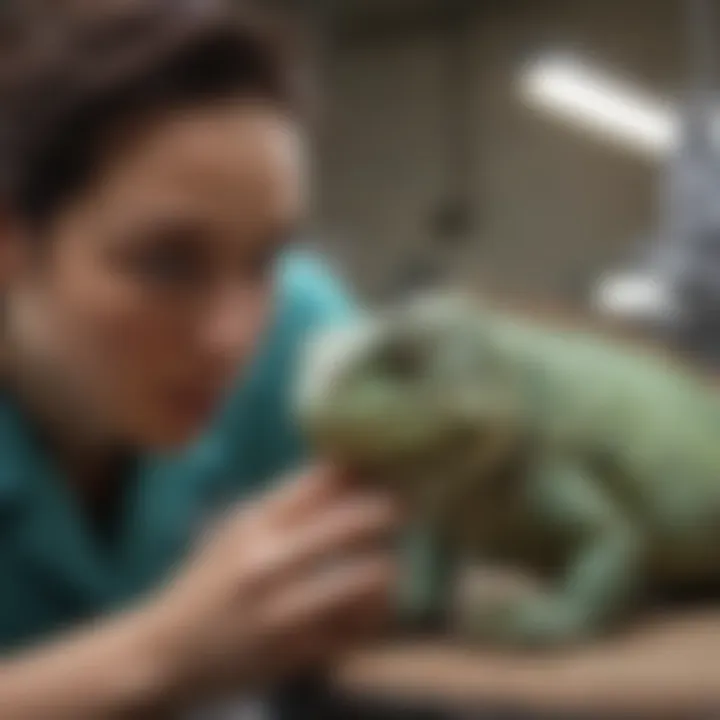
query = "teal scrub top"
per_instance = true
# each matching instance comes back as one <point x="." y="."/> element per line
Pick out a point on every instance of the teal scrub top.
<point x="55" y="573"/>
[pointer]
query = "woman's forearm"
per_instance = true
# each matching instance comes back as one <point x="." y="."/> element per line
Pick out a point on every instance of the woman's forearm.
<point x="116" y="670"/>
<point x="234" y="620"/>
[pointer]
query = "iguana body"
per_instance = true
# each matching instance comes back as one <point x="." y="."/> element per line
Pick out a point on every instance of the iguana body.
<point x="595" y="467"/>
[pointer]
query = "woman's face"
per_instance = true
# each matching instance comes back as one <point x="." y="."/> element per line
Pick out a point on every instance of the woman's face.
<point x="152" y="287"/>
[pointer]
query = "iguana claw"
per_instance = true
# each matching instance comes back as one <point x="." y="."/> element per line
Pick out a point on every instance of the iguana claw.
<point x="525" y="624"/>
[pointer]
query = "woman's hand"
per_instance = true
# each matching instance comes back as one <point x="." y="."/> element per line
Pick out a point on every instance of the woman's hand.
<point x="283" y="585"/>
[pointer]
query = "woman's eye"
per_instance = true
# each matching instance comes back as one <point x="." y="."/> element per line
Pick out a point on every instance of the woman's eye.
<point x="169" y="266"/>
<point x="169" y="254"/>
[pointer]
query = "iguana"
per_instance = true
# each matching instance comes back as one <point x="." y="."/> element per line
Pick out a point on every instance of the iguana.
<point x="594" y="466"/>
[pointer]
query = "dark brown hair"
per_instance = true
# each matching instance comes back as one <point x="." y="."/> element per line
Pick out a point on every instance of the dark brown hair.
<point x="74" y="74"/>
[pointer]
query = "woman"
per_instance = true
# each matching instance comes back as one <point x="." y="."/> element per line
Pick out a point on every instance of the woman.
<point x="152" y="178"/>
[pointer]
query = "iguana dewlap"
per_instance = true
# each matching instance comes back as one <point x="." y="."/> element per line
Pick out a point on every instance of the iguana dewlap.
<point x="594" y="466"/>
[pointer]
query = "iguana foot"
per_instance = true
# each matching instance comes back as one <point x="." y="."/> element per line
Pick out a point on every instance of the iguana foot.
<point x="535" y="623"/>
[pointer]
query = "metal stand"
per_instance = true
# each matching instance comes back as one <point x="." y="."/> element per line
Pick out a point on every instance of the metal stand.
<point x="687" y="260"/>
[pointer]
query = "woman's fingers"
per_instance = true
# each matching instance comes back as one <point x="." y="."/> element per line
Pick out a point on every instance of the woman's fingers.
<point x="295" y="578"/>
<point x="330" y="535"/>
<point x="303" y="494"/>
<point x="360" y="584"/>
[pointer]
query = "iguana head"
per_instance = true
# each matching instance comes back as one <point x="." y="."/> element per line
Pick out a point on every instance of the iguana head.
<point x="423" y="380"/>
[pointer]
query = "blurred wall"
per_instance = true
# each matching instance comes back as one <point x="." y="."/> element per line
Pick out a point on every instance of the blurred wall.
<point x="421" y="109"/>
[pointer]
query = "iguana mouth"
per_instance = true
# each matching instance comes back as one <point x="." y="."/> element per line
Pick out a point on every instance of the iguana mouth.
<point x="442" y="471"/>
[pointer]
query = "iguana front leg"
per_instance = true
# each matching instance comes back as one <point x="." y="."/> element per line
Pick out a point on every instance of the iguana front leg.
<point x="427" y="580"/>
<point x="428" y="563"/>
<point x="604" y="570"/>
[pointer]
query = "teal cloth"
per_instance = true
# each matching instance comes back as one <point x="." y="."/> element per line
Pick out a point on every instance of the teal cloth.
<point x="55" y="572"/>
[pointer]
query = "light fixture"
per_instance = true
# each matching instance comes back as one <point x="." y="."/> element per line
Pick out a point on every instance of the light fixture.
<point x="632" y="295"/>
<point x="592" y="100"/>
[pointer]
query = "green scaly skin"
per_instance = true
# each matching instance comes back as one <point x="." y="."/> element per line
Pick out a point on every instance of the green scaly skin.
<point x="595" y="467"/>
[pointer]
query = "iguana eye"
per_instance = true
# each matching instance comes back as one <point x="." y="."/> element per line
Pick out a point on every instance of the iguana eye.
<point x="402" y="360"/>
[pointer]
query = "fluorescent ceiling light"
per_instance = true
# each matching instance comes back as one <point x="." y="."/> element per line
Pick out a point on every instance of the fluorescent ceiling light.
<point x="633" y="295"/>
<point x="595" y="101"/>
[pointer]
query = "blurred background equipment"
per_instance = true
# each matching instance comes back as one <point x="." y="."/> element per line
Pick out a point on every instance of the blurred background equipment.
<point x="525" y="146"/>
<point x="677" y="287"/>
<point x="689" y="252"/>
<point x="437" y="159"/>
